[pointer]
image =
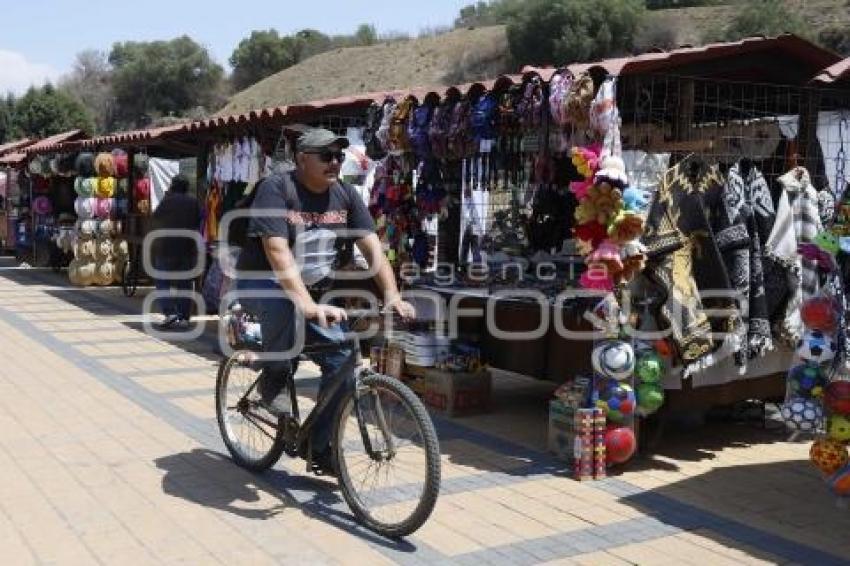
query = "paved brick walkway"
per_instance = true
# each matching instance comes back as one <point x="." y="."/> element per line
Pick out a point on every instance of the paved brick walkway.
<point x="111" y="455"/>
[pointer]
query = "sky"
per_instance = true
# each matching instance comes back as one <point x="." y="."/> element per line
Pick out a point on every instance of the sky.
<point x="40" y="38"/>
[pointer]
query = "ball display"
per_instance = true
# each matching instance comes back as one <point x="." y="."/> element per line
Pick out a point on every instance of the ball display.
<point x="828" y="455"/>
<point x="613" y="358"/>
<point x="839" y="482"/>
<point x="838" y="428"/>
<point x="816" y="347"/>
<point x="837" y="397"/>
<point x="620" y="444"/>
<point x="807" y="380"/>
<point x="649" y="368"/>
<point x="819" y="313"/>
<point x="802" y="414"/>
<point x="616" y="399"/>
<point x="650" y="398"/>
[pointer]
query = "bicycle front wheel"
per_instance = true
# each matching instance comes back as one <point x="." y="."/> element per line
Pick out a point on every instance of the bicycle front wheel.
<point x="254" y="438"/>
<point x="387" y="455"/>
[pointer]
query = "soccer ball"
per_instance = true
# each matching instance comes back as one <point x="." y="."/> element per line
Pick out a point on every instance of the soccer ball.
<point x="837" y="397"/>
<point x="819" y="313"/>
<point x="807" y="380"/>
<point x="816" y="347"/>
<point x="620" y="444"/>
<point x="616" y="398"/>
<point x="650" y="397"/>
<point x="838" y="428"/>
<point x="828" y="455"/>
<point x="802" y="414"/>
<point x="649" y="368"/>
<point x="613" y="358"/>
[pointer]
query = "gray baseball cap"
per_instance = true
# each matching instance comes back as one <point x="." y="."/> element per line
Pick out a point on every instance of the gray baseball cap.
<point x="319" y="138"/>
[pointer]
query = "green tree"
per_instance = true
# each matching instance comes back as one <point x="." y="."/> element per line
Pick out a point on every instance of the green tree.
<point x="162" y="78"/>
<point x="366" y="34"/>
<point x="666" y="4"/>
<point x="309" y="42"/>
<point x="566" y="31"/>
<point x="262" y="54"/>
<point x="46" y="111"/>
<point x="763" y="17"/>
<point x="489" y="13"/>
<point x="90" y="82"/>
<point x="7" y="119"/>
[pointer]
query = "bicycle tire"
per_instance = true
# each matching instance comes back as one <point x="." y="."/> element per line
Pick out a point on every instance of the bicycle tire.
<point x="278" y="443"/>
<point x="431" y="489"/>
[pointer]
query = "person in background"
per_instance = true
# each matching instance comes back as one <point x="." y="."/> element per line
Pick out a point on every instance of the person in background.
<point x="174" y="254"/>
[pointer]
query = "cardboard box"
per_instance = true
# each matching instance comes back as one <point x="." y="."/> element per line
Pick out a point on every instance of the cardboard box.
<point x="573" y="438"/>
<point x="453" y="394"/>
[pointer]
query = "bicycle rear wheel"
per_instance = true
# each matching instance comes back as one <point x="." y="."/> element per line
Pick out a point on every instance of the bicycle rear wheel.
<point x="254" y="438"/>
<point x="387" y="456"/>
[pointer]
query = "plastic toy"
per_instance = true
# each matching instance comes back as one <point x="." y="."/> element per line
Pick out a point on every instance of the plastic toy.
<point x="838" y="427"/>
<point x="837" y="397"/>
<point x="613" y="358"/>
<point x="802" y="415"/>
<point x="807" y="380"/>
<point x="620" y="444"/>
<point x="828" y="455"/>
<point x="616" y="398"/>
<point x="816" y="347"/>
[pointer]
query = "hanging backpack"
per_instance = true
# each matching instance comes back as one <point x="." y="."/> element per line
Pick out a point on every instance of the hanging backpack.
<point x="461" y="143"/>
<point x="383" y="132"/>
<point x="530" y="105"/>
<point x="374" y="149"/>
<point x="398" y="137"/>
<point x="579" y="98"/>
<point x="438" y="130"/>
<point x="418" y="131"/>
<point x="559" y="86"/>
<point x="484" y="117"/>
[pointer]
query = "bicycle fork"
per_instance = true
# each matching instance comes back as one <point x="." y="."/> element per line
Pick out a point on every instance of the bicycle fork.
<point x="377" y="455"/>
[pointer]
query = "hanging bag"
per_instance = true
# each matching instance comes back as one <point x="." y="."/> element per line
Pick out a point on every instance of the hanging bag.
<point x="399" y="140"/>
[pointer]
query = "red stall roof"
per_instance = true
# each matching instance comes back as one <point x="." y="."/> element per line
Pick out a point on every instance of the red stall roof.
<point x="838" y="73"/>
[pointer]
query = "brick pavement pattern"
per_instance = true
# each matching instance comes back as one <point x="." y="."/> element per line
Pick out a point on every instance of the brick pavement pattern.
<point x="111" y="455"/>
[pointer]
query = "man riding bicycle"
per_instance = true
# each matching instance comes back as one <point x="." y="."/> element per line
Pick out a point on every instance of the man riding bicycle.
<point x="299" y="224"/>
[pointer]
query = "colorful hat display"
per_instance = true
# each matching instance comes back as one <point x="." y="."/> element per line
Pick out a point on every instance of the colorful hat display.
<point x="122" y="164"/>
<point x="103" y="207"/>
<point x="85" y="249"/>
<point x="85" y="164"/>
<point x="141" y="164"/>
<point x="105" y="187"/>
<point x="104" y="248"/>
<point x="87" y="228"/>
<point x="106" y="227"/>
<point x="144" y="206"/>
<point x="82" y="187"/>
<point x="84" y="207"/>
<point x="104" y="165"/>
<point x="122" y="249"/>
<point x="121" y="188"/>
<point x="104" y="273"/>
<point x="142" y="189"/>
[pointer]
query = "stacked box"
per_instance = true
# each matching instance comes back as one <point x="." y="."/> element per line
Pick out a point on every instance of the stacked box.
<point x="454" y="394"/>
<point x="583" y="465"/>
<point x="571" y="437"/>
<point x="599" y="455"/>
<point x="389" y="360"/>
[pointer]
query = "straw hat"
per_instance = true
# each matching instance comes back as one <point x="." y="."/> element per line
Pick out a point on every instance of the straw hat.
<point x="74" y="272"/>
<point x="86" y="271"/>
<point x="122" y="249"/>
<point x="104" y="248"/>
<point x="87" y="228"/>
<point x="144" y="206"/>
<point x="106" y="227"/>
<point x="105" y="273"/>
<point x="85" y="249"/>
<point x="104" y="165"/>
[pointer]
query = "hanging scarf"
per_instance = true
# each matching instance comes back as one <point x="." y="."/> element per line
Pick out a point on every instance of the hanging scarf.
<point x="807" y="221"/>
<point x="683" y="259"/>
<point x="747" y="202"/>
<point x="781" y="250"/>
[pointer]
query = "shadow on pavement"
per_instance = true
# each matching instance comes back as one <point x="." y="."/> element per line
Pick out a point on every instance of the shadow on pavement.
<point x="210" y="479"/>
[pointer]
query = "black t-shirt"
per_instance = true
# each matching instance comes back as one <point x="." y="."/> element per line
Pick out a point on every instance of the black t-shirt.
<point x="314" y="224"/>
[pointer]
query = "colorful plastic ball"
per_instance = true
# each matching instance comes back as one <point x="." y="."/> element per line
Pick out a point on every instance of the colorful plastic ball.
<point x="819" y="313"/>
<point x="616" y="398"/>
<point x="816" y="347"/>
<point x="620" y="444"/>
<point x="807" y="380"/>
<point x="613" y="358"/>
<point x="802" y="415"/>
<point x="839" y="482"/>
<point x="650" y="397"/>
<point x="837" y="397"/>
<point x="838" y="428"/>
<point x="828" y="455"/>
<point x="649" y="368"/>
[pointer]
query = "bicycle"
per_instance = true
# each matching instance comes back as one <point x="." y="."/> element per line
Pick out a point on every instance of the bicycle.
<point x="382" y="433"/>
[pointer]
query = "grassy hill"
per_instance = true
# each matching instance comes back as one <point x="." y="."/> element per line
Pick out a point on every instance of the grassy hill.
<point x="465" y="55"/>
<point x="455" y="57"/>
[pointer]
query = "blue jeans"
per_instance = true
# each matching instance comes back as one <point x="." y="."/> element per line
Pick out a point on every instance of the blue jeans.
<point x="277" y="321"/>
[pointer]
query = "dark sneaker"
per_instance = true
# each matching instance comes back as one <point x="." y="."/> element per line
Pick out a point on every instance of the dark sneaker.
<point x="323" y="464"/>
<point x="169" y="322"/>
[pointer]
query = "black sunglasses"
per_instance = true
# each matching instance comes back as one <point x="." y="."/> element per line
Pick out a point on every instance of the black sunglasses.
<point x="326" y="155"/>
